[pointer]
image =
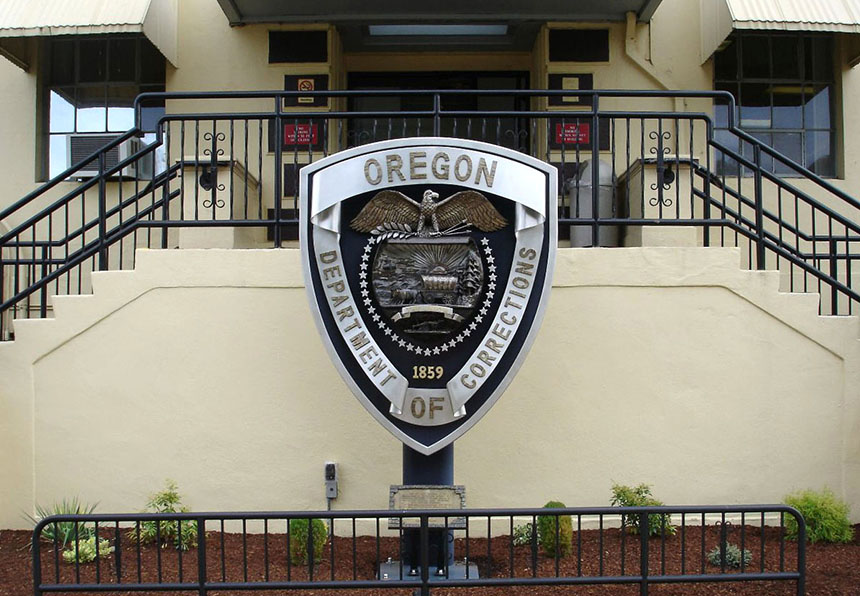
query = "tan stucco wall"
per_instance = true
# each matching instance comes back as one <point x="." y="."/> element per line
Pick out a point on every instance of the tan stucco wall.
<point x="662" y="365"/>
<point x="18" y="123"/>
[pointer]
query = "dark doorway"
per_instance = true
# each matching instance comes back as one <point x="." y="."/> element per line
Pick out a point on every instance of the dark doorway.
<point x="511" y="132"/>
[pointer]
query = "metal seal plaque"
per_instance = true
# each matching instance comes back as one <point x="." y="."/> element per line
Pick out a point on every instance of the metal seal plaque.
<point x="428" y="263"/>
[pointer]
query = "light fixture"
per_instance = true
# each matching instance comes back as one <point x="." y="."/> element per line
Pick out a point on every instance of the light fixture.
<point x="438" y="30"/>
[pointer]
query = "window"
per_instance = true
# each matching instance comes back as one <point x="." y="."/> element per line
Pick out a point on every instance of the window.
<point x="783" y="84"/>
<point x="90" y="84"/>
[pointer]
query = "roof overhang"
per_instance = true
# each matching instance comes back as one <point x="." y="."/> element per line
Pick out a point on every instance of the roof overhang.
<point x="21" y="19"/>
<point x="242" y="12"/>
<point x="720" y="17"/>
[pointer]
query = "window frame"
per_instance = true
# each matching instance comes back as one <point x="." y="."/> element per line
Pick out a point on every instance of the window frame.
<point x="809" y="85"/>
<point x="47" y="84"/>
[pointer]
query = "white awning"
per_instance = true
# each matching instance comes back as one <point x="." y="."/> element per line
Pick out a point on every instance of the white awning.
<point x="720" y="17"/>
<point x="243" y="12"/>
<point x="28" y="18"/>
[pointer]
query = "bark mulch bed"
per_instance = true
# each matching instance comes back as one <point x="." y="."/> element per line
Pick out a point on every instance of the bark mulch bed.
<point x="831" y="569"/>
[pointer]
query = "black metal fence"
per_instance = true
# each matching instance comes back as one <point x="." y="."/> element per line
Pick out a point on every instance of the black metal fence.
<point x="368" y="549"/>
<point x="627" y="160"/>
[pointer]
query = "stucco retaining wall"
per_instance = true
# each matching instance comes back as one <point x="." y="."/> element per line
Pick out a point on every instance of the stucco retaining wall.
<point x="669" y="366"/>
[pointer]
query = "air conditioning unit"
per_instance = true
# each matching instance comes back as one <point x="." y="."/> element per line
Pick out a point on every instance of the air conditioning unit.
<point x="81" y="146"/>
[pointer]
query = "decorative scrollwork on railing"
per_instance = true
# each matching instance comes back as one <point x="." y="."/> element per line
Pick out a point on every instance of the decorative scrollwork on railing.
<point x="519" y="139"/>
<point x="665" y="175"/>
<point x="660" y="137"/>
<point x="209" y="180"/>
<point x="209" y="177"/>
<point x="218" y="151"/>
<point x="207" y="136"/>
<point x="655" y="201"/>
<point x="665" y="178"/>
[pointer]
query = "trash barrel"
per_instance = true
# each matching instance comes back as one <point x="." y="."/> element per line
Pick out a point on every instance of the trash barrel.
<point x="579" y="197"/>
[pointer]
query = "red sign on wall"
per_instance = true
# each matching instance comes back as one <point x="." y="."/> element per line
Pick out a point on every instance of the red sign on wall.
<point x="300" y="134"/>
<point x="572" y="134"/>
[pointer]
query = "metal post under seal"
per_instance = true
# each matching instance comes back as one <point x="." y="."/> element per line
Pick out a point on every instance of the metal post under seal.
<point x="437" y="469"/>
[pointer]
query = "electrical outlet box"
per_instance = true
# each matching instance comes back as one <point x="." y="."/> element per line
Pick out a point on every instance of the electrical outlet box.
<point x="330" y="480"/>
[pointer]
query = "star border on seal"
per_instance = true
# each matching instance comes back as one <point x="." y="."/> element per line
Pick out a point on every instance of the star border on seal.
<point x="399" y="342"/>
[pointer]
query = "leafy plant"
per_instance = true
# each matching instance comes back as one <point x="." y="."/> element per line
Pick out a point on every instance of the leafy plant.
<point x="182" y="534"/>
<point x="299" y="539"/>
<point x="733" y="556"/>
<point x="555" y="532"/>
<point x="523" y="534"/>
<point x="84" y="551"/>
<point x="66" y="531"/>
<point x="825" y="514"/>
<point x="640" y="496"/>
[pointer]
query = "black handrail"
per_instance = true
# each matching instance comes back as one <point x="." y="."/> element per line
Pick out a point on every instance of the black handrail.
<point x="743" y="161"/>
<point x="73" y="169"/>
<point x="85" y="252"/>
<point x="159" y="181"/>
<point x="81" y="188"/>
<point x="768" y="214"/>
<point x="800" y="259"/>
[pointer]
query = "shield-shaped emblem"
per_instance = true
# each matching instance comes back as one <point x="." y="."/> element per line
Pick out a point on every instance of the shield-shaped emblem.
<point x="428" y="263"/>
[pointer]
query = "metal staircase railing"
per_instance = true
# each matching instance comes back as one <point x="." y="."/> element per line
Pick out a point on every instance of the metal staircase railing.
<point x="809" y="269"/>
<point x="813" y="240"/>
<point x="230" y="172"/>
<point x="55" y="248"/>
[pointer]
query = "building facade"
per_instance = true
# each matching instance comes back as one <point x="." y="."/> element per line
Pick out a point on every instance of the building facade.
<point x="155" y="323"/>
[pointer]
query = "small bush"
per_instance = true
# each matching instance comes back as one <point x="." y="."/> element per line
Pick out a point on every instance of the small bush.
<point x="299" y="540"/>
<point x="64" y="532"/>
<point x="182" y="534"/>
<point x="825" y="514"/>
<point x="523" y="534"/>
<point x="640" y="496"/>
<point x="733" y="556"/>
<point x="555" y="540"/>
<point x="86" y="550"/>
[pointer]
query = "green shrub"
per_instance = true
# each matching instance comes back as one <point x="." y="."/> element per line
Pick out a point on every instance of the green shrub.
<point x="733" y="556"/>
<point x="549" y="532"/>
<point x="67" y="531"/>
<point x="825" y="514"/>
<point x="299" y="540"/>
<point x="523" y="534"/>
<point x="182" y="534"/>
<point x="640" y="496"/>
<point x="86" y="550"/>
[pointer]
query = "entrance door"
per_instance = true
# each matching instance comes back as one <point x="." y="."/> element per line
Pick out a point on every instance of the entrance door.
<point x="511" y="132"/>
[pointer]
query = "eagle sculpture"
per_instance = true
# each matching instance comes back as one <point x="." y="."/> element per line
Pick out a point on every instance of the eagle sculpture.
<point x="429" y="218"/>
